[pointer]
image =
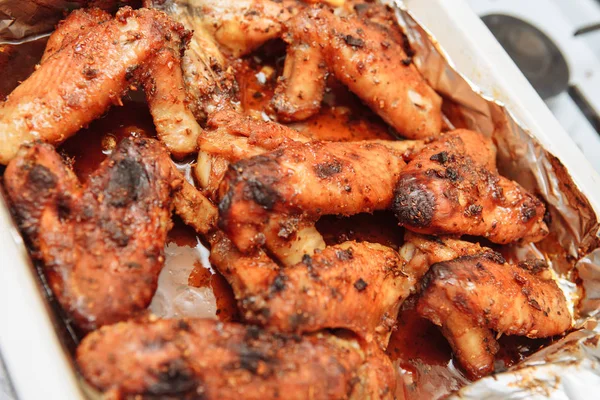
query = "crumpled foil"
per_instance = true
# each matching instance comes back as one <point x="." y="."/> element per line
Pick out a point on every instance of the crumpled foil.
<point x="567" y="369"/>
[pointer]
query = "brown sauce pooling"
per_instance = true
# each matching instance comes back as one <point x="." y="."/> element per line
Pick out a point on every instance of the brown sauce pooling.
<point x="380" y="227"/>
<point x="343" y="117"/>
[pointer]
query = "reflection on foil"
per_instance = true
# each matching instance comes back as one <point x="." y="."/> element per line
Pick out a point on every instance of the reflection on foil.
<point x="175" y="298"/>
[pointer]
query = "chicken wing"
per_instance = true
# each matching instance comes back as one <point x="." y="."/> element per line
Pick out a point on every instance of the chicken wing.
<point x="101" y="245"/>
<point x="209" y="80"/>
<point x="322" y="291"/>
<point x="272" y="198"/>
<point x="365" y="57"/>
<point x="453" y="187"/>
<point x="207" y="359"/>
<point x="230" y="137"/>
<point x="85" y="76"/>
<point x="472" y="296"/>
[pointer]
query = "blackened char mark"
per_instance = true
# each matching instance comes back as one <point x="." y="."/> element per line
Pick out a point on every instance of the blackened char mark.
<point x="328" y="169"/>
<point x="127" y="183"/>
<point x="41" y="178"/>
<point x="176" y="379"/>
<point x="414" y="204"/>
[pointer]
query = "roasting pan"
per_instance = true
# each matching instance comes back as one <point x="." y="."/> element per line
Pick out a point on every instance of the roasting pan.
<point x="33" y="342"/>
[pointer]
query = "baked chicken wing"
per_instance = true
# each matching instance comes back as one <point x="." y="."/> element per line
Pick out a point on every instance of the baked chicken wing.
<point x="356" y="286"/>
<point x="100" y="244"/>
<point x="453" y="187"/>
<point x="367" y="58"/>
<point x="473" y="296"/>
<point x="274" y="199"/>
<point x="211" y="360"/>
<point x="92" y="70"/>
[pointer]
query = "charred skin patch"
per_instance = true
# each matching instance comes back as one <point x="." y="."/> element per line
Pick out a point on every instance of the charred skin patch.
<point x="41" y="177"/>
<point x="255" y="361"/>
<point x="328" y="169"/>
<point x="414" y="204"/>
<point x="127" y="183"/>
<point x="261" y="193"/>
<point x="174" y="379"/>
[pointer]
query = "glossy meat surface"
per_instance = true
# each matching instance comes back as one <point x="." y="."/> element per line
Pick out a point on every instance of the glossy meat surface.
<point x="453" y="187"/>
<point x="101" y="244"/>
<point x="366" y="57"/>
<point x="211" y="360"/>
<point x="356" y="286"/>
<point x="472" y="296"/>
<point x="266" y="198"/>
<point x="86" y="75"/>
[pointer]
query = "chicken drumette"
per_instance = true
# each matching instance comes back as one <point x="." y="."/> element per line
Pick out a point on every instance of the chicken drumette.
<point x="101" y="244"/>
<point x="453" y="187"/>
<point x="212" y="360"/>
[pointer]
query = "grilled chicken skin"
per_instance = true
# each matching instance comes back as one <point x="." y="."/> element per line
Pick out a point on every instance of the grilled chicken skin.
<point x="101" y="244"/>
<point x="275" y="198"/>
<point x="471" y="296"/>
<point x="322" y="291"/>
<point x="230" y="137"/>
<point x="191" y="359"/>
<point x="453" y="187"/>
<point x="77" y="83"/>
<point x="364" y="56"/>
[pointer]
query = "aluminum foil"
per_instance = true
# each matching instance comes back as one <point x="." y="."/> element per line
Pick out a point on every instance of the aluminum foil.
<point x="569" y="368"/>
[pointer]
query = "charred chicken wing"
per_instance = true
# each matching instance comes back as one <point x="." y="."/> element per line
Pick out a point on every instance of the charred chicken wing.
<point x="453" y="187"/>
<point x="100" y="244"/>
<point x="274" y="199"/>
<point x="212" y="360"/>
<point x="472" y="296"/>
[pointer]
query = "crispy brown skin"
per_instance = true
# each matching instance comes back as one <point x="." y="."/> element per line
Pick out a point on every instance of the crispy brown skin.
<point x="101" y="245"/>
<point x="192" y="359"/>
<point x="453" y="187"/>
<point x="322" y="291"/>
<point x="472" y="296"/>
<point x="69" y="29"/>
<point x="364" y="56"/>
<point x="77" y="83"/>
<point x="266" y="198"/>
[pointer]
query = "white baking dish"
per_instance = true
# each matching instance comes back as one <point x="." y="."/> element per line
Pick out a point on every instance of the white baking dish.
<point x="38" y="366"/>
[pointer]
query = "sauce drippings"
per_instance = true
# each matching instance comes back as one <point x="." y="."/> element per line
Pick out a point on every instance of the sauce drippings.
<point x="342" y="117"/>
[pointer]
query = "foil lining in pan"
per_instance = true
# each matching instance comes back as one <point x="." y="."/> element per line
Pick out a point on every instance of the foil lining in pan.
<point x="567" y="369"/>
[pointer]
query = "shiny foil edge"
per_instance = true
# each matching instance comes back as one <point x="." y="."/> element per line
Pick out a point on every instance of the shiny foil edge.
<point x="570" y="367"/>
